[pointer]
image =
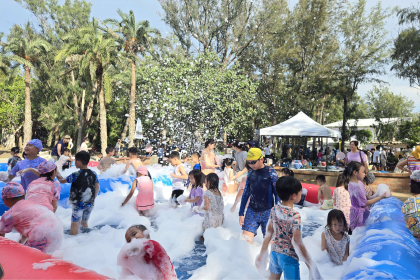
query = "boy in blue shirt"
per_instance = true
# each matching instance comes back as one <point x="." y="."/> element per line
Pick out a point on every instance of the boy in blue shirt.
<point x="260" y="189"/>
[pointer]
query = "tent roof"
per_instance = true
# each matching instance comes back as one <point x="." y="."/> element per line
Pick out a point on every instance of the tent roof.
<point x="300" y="125"/>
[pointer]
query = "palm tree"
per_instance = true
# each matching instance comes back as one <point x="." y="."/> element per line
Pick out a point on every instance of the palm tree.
<point x="25" y="48"/>
<point x="92" y="51"/>
<point x="134" y="37"/>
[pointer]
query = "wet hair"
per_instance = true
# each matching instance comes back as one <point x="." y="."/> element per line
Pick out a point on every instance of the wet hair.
<point x="109" y="150"/>
<point x="212" y="182"/>
<point x="208" y="142"/>
<point x="83" y="157"/>
<point x="337" y="215"/>
<point x="48" y="175"/>
<point x="133" y="151"/>
<point x="195" y="154"/>
<point x="340" y="180"/>
<point x="353" y="166"/>
<point x="356" y="143"/>
<point x="240" y="146"/>
<point x="15" y="150"/>
<point x="174" y="154"/>
<point x="142" y="228"/>
<point x="287" y="172"/>
<point x="286" y="186"/>
<point x="320" y="178"/>
<point x="227" y="162"/>
<point x="198" y="177"/>
<point x="66" y="150"/>
<point x="184" y="156"/>
<point x="378" y="147"/>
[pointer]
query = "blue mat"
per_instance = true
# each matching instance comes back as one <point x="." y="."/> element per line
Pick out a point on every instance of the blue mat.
<point x="397" y="254"/>
<point x="3" y="166"/>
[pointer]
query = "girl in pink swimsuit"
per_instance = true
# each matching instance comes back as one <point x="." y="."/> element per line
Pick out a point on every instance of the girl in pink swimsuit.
<point x="145" y="198"/>
<point x="40" y="228"/>
<point x="45" y="191"/>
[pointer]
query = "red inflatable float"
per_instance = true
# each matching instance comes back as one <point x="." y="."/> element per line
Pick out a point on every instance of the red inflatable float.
<point x="312" y="195"/>
<point x="22" y="262"/>
<point x="93" y="163"/>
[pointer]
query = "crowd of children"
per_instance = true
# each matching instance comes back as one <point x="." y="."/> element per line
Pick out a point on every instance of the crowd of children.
<point x="267" y="202"/>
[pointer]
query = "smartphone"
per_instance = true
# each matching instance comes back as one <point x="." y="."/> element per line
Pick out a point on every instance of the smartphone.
<point x="1" y="272"/>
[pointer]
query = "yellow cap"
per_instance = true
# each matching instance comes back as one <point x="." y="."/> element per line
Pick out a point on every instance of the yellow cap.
<point x="416" y="152"/>
<point x="254" y="154"/>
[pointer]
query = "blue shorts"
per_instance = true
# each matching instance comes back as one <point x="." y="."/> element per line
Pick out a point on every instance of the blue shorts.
<point x="253" y="220"/>
<point x="81" y="211"/>
<point x="280" y="263"/>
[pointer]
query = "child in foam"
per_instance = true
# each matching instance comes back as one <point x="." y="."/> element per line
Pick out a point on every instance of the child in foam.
<point x="260" y="189"/>
<point x="178" y="176"/>
<point x="341" y="197"/>
<point x="196" y="193"/>
<point x="39" y="227"/>
<point x="44" y="191"/>
<point x="143" y="257"/>
<point x="213" y="203"/>
<point x="229" y="184"/>
<point x="145" y="198"/>
<point x="335" y="239"/>
<point x="32" y="160"/>
<point x="324" y="191"/>
<point x="283" y="228"/>
<point x="64" y="160"/>
<point x="83" y="191"/>
<point x="359" y="211"/>
<point x="134" y="161"/>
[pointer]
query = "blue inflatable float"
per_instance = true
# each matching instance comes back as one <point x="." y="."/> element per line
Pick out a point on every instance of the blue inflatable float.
<point x="394" y="250"/>
<point x="105" y="184"/>
<point x="3" y="166"/>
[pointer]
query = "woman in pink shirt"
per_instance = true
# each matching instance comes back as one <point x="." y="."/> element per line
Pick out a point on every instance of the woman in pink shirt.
<point x="355" y="155"/>
<point x="45" y="191"/>
<point x="40" y="228"/>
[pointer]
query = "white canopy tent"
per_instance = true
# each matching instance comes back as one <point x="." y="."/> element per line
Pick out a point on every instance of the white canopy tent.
<point x="300" y="126"/>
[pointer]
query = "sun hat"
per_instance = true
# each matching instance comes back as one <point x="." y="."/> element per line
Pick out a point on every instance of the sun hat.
<point x="46" y="166"/>
<point x="142" y="170"/>
<point x="12" y="189"/>
<point x="37" y="143"/>
<point x="254" y="154"/>
<point x="416" y="153"/>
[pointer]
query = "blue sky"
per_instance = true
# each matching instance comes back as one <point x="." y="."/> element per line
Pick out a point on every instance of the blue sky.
<point x="12" y="13"/>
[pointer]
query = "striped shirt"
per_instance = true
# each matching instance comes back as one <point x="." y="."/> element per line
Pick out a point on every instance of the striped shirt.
<point x="414" y="164"/>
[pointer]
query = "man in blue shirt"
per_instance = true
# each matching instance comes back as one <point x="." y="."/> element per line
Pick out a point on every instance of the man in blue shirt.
<point x="32" y="160"/>
<point x="260" y="189"/>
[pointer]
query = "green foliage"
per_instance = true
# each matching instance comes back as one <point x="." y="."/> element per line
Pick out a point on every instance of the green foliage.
<point x="382" y="103"/>
<point x="12" y="103"/>
<point x="409" y="132"/>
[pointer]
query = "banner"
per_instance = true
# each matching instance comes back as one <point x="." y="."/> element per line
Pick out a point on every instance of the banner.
<point x="139" y="130"/>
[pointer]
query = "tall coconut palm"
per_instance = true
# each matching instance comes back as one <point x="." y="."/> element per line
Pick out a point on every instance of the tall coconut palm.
<point x="96" y="53"/>
<point x="136" y="38"/>
<point x="25" y="48"/>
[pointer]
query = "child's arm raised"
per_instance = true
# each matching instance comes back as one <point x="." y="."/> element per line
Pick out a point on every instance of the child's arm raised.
<point x="127" y="166"/>
<point x="133" y="187"/>
<point x="376" y="199"/>
<point x="33" y="170"/>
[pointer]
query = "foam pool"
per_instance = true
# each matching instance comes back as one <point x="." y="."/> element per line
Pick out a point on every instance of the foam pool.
<point x="222" y="255"/>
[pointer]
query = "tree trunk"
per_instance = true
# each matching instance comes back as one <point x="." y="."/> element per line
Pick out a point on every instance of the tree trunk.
<point x="79" y="133"/>
<point x="343" y="128"/>
<point x="8" y="138"/>
<point x="102" y="114"/>
<point x="132" y="113"/>
<point x="27" y="131"/>
<point x="50" y="136"/>
<point x="56" y="134"/>
<point x="124" y="133"/>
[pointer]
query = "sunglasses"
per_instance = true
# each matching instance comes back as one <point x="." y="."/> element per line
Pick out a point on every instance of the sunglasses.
<point x="252" y="162"/>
